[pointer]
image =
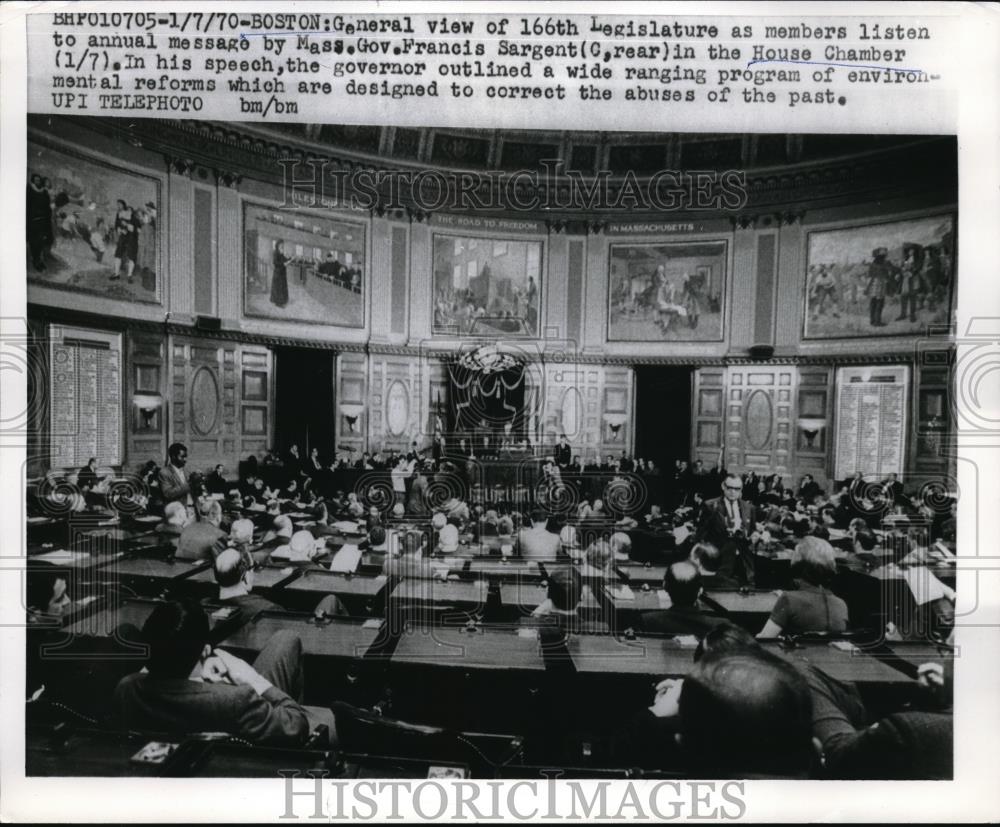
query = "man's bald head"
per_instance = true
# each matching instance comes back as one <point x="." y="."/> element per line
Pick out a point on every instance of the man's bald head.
<point x="230" y="567"/>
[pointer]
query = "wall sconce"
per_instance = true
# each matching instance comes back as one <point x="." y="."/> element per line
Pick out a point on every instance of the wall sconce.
<point x="351" y="414"/>
<point x="148" y="405"/>
<point x="811" y="429"/>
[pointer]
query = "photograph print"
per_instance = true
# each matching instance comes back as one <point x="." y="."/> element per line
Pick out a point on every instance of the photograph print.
<point x="669" y="292"/>
<point x="303" y="267"/>
<point x="887" y="279"/>
<point x="90" y="226"/>
<point x="486" y="286"/>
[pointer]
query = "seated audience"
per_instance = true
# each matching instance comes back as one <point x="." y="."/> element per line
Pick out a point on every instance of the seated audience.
<point x="682" y="582"/>
<point x="202" y="539"/>
<point x="187" y="686"/>
<point x="811" y="607"/>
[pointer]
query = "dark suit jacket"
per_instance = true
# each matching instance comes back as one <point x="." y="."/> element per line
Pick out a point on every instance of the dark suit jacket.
<point x="564" y="454"/>
<point x="172" y="487"/>
<point x="680" y="620"/>
<point x="712" y="527"/>
<point x="181" y="705"/>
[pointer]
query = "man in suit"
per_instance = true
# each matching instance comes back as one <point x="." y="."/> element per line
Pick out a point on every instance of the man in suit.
<point x="563" y="452"/>
<point x="188" y="686"/>
<point x="174" y="486"/>
<point x="685" y="616"/>
<point x="726" y="522"/>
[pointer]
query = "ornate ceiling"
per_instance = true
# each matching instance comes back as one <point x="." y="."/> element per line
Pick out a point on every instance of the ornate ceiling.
<point x="783" y="172"/>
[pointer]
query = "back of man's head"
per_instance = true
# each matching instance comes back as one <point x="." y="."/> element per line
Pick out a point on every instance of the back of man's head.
<point x="706" y="557"/>
<point x="538" y="516"/>
<point x="282" y="525"/>
<point x="565" y="589"/>
<point x="747" y="713"/>
<point x="176" y="633"/>
<point x="682" y="581"/>
<point x="230" y="566"/>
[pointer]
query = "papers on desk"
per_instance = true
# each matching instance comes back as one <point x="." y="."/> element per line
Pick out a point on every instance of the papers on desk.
<point x="148" y="518"/>
<point x="36" y="520"/>
<point x="942" y="551"/>
<point x="924" y="585"/>
<point x="61" y="555"/>
<point x="346" y="559"/>
<point x="257" y="507"/>
<point x="346" y="527"/>
<point x="622" y="592"/>
<point x="686" y="641"/>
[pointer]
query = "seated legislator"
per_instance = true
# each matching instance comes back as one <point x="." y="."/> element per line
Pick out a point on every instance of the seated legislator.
<point x="685" y="616"/>
<point x="175" y="517"/>
<point x="234" y="572"/>
<point x="278" y="534"/>
<point x="811" y="607"/>
<point x="203" y="539"/>
<point x="743" y="714"/>
<point x="707" y="558"/>
<point x="187" y="686"/>
<point x="537" y="542"/>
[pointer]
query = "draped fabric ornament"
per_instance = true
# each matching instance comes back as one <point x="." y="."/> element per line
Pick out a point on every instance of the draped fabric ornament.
<point x="487" y="388"/>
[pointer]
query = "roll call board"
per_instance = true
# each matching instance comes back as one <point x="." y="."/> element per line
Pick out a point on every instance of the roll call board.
<point x="85" y="393"/>
<point x="871" y="420"/>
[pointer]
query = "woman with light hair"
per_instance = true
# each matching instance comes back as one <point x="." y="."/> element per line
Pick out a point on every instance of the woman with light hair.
<point x="811" y="607"/>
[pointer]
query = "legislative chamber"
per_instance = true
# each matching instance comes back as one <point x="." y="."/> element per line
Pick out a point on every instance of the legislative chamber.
<point x="629" y="455"/>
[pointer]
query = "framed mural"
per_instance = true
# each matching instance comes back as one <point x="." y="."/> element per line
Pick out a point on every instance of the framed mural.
<point x="486" y="286"/>
<point x="674" y="292"/>
<point x="303" y="267"/>
<point x="91" y="226"/>
<point x="888" y="279"/>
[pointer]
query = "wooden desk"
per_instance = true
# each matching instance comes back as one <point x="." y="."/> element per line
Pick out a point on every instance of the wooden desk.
<point x="528" y="596"/>
<point x="94" y="753"/>
<point x="513" y="568"/>
<point x="151" y="573"/>
<point x="759" y="602"/>
<point x="267" y="577"/>
<point x="643" y="574"/>
<point x="104" y="621"/>
<point x="493" y="648"/>
<point x="610" y="655"/>
<point x="462" y="592"/>
<point x="61" y="558"/>
<point x="857" y="667"/>
<point x="340" y="638"/>
<point x="320" y="581"/>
